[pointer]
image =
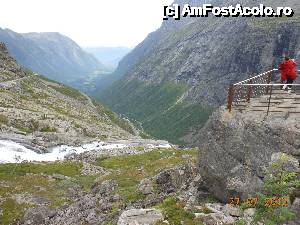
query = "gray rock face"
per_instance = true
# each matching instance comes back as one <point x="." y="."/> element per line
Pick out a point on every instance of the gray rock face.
<point x="146" y="187"/>
<point x="232" y="211"/>
<point x="216" y="213"/>
<point x="104" y="188"/>
<point x="90" y="169"/>
<point x="291" y="164"/>
<point x="206" y="55"/>
<point x="296" y="209"/>
<point x="140" y="216"/>
<point x="38" y="216"/>
<point x="90" y="208"/>
<point x="236" y="148"/>
<point x="249" y="212"/>
<point x="174" y="179"/>
<point x="209" y="53"/>
<point x="82" y="211"/>
<point x="215" y="218"/>
<point x="29" y="199"/>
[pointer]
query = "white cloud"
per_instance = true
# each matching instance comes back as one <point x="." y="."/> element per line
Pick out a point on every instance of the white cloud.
<point x="88" y="22"/>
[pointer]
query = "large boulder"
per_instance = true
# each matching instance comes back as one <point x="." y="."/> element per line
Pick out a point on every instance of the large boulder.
<point x="146" y="187"/>
<point x="214" y="218"/>
<point x="236" y="149"/>
<point x="38" y="216"/>
<point x="141" y="217"/>
<point x="84" y="210"/>
<point x="174" y="179"/>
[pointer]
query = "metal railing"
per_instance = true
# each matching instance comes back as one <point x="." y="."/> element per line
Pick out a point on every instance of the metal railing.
<point x="256" y="86"/>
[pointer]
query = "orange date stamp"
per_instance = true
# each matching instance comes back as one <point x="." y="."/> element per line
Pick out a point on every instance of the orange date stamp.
<point x="253" y="201"/>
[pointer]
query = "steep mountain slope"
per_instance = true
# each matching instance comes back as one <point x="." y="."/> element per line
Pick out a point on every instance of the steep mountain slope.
<point x="203" y="55"/>
<point x="52" y="54"/>
<point x="43" y="113"/>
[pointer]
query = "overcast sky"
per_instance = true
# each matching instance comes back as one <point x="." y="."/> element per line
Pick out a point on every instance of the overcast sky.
<point x="88" y="22"/>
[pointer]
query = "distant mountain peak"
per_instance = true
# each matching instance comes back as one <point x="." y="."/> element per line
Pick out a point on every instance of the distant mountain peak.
<point x="51" y="54"/>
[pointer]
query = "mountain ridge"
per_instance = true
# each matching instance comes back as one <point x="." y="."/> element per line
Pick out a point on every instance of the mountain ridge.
<point x="51" y="54"/>
<point x="203" y="54"/>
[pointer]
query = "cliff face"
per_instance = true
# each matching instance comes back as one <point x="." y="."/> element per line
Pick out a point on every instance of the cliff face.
<point x="221" y="53"/>
<point x="204" y="55"/>
<point x="51" y="54"/>
<point x="209" y="53"/>
<point x="237" y="148"/>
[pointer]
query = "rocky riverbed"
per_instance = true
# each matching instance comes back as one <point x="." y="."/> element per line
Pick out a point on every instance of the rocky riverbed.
<point x="13" y="152"/>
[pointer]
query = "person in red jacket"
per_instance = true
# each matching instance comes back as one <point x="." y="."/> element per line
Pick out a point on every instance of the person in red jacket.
<point x="288" y="70"/>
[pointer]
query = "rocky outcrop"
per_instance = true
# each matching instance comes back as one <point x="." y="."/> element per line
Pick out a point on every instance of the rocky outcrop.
<point x="216" y="213"/>
<point x="236" y="149"/>
<point x="92" y="208"/>
<point x="141" y="217"/>
<point x="174" y="179"/>
<point x="102" y="204"/>
<point x="9" y="69"/>
<point x="296" y="210"/>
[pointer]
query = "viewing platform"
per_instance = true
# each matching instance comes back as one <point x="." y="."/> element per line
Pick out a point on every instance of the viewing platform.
<point x="262" y="96"/>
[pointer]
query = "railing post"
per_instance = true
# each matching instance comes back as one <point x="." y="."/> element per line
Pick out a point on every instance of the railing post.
<point x="230" y="97"/>
<point x="270" y="100"/>
<point x="269" y="78"/>
<point x="249" y="91"/>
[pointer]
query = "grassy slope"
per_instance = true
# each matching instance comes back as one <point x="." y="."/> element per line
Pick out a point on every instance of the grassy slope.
<point x="74" y="93"/>
<point x="34" y="104"/>
<point x="157" y="107"/>
<point x="28" y="179"/>
<point x="43" y="99"/>
<point x="102" y="110"/>
<point x="126" y="170"/>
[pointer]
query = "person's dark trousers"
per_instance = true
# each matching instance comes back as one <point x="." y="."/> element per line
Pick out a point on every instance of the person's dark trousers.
<point x="290" y="81"/>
